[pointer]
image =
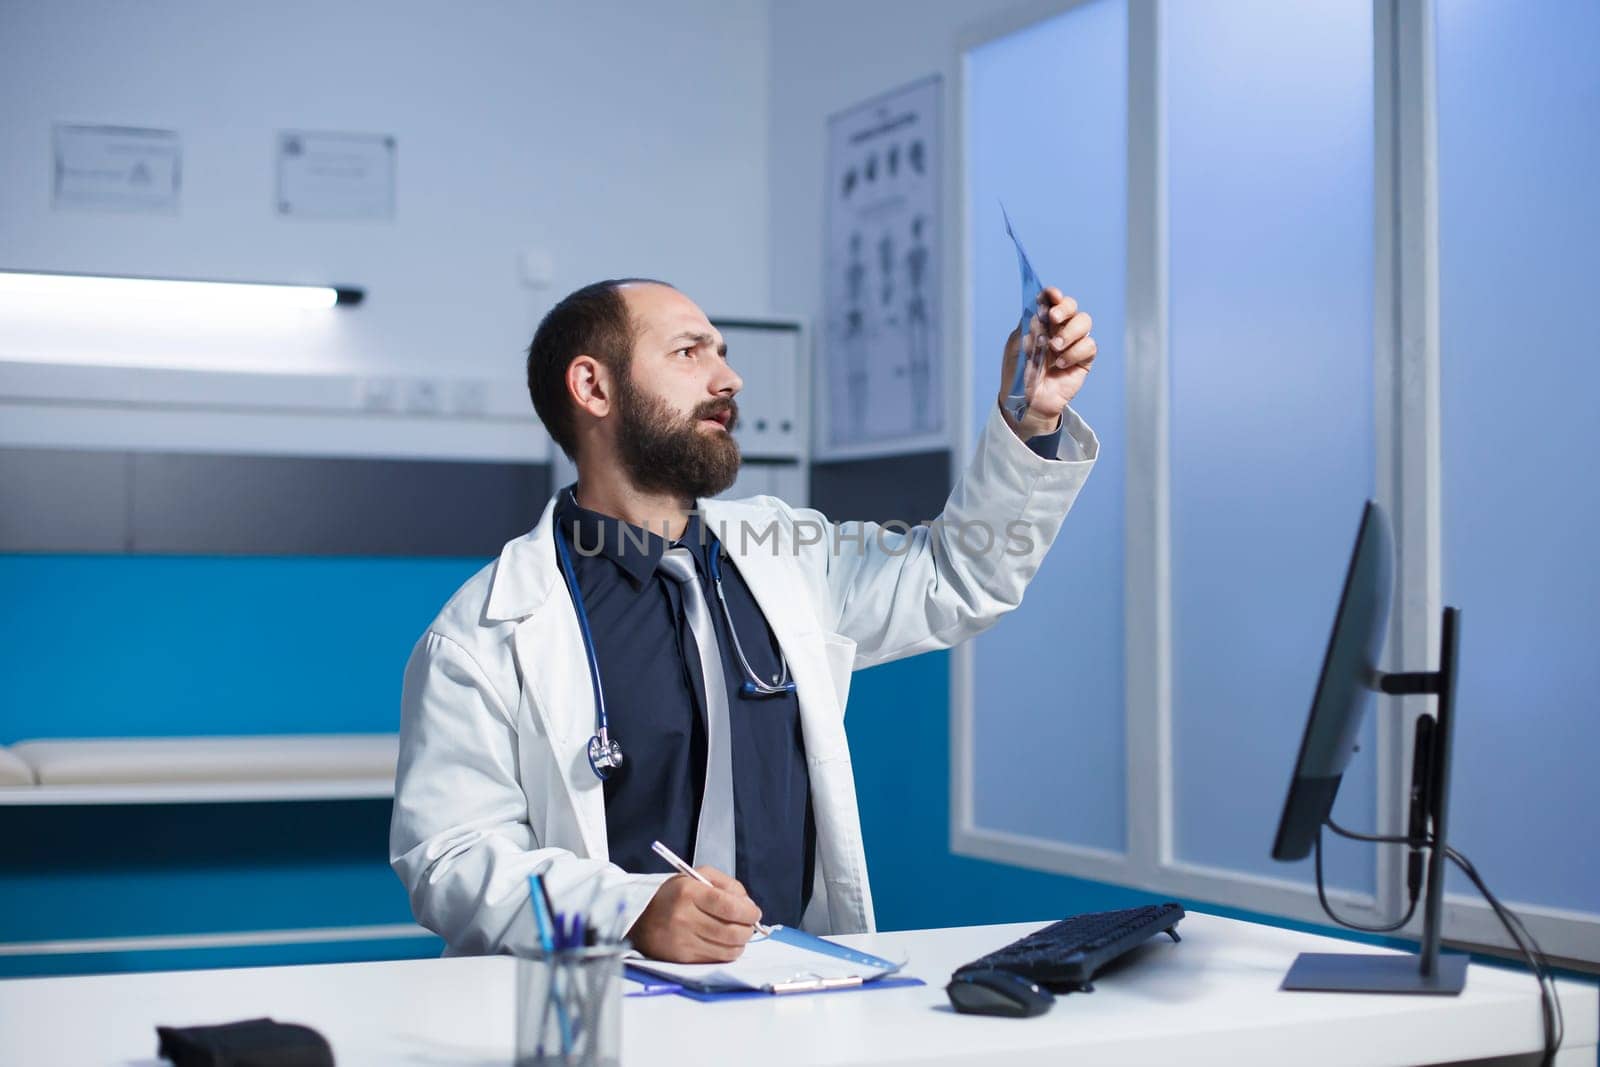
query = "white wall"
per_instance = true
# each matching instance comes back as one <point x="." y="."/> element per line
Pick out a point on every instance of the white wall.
<point x="624" y="138"/>
<point x="827" y="56"/>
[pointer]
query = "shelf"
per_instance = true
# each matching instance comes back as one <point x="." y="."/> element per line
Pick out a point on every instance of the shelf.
<point x="197" y="792"/>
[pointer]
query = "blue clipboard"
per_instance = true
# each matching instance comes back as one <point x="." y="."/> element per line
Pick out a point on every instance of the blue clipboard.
<point x="648" y="985"/>
<point x="790" y="935"/>
<point x="888" y="982"/>
<point x="655" y="985"/>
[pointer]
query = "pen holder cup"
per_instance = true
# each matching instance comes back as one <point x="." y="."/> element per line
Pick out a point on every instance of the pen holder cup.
<point x="569" y="1007"/>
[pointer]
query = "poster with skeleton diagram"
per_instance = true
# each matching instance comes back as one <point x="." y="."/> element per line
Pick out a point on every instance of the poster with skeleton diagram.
<point x="884" y="379"/>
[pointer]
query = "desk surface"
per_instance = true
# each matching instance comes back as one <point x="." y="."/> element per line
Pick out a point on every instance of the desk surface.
<point x="1212" y="999"/>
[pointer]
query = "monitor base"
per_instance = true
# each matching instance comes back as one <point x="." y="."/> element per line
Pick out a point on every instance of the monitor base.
<point x="1326" y="972"/>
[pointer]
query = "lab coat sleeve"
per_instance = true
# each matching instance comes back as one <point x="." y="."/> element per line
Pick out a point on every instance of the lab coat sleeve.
<point x="460" y="838"/>
<point x="898" y="592"/>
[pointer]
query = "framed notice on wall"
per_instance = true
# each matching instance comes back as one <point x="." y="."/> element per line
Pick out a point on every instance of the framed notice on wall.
<point x="336" y="176"/>
<point x="882" y="368"/>
<point x="116" y="168"/>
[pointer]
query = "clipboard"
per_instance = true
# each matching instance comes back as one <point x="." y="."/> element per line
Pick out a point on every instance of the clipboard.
<point x="783" y="963"/>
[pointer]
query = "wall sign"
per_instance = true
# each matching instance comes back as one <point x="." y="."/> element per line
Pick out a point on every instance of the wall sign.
<point x="116" y="168"/>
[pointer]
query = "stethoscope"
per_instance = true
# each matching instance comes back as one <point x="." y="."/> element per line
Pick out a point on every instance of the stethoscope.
<point x="605" y="754"/>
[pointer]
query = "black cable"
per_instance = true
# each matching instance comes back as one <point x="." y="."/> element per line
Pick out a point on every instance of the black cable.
<point x="1554" y="1022"/>
<point x="1322" y="895"/>
<point x="1555" y="1028"/>
<point x="1417" y="843"/>
<point x="1422" y="842"/>
<point x="1550" y="1000"/>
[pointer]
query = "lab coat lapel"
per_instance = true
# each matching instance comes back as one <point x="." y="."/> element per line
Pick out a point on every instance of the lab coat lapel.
<point x="555" y="680"/>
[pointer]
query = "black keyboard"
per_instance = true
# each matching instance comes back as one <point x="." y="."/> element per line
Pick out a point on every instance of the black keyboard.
<point x="1068" y="954"/>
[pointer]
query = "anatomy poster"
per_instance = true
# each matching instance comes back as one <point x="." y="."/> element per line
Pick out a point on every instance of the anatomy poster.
<point x="884" y="375"/>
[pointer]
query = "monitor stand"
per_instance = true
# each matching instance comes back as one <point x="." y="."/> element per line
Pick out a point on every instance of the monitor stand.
<point x="1428" y="972"/>
<point x="1343" y="972"/>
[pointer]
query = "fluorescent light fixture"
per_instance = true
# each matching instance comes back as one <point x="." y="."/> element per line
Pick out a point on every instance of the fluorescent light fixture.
<point x="91" y="290"/>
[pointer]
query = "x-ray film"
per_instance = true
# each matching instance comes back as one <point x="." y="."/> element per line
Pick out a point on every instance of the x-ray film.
<point x="1033" y="349"/>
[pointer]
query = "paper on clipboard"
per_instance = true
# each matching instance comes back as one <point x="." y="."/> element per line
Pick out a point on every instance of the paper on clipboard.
<point x="788" y="960"/>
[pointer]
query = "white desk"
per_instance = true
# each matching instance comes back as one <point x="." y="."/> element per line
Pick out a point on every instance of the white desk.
<point x="1213" y="999"/>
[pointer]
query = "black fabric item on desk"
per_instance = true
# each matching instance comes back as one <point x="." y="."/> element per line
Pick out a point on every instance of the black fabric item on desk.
<point x="251" y="1043"/>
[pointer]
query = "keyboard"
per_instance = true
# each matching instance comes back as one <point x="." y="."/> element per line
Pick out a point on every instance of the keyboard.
<point x="1066" y="955"/>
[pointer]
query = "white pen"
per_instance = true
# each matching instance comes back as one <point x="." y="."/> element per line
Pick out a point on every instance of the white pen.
<point x="683" y="868"/>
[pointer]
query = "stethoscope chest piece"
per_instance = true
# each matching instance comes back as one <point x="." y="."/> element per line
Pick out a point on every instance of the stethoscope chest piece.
<point x="605" y="756"/>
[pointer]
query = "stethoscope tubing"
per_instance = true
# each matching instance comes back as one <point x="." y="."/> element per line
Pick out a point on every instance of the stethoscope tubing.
<point x="605" y="755"/>
<point x="753" y="684"/>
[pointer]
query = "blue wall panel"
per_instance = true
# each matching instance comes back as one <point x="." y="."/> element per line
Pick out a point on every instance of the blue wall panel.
<point x="121" y="871"/>
<point x="142" y="646"/>
<point x="408" y="948"/>
<point x="161" y="646"/>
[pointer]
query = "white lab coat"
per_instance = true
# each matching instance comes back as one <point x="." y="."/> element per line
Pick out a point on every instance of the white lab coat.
<point x="494" y="783"/>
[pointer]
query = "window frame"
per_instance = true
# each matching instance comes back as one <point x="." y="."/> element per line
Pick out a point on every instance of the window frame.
<point x="1408" y="479"/>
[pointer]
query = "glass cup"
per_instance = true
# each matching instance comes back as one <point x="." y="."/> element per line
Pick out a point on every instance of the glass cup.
<point x="569" y="1007"/>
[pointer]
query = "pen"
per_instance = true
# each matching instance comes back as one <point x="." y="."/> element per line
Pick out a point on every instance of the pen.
<point x="544" y="895"/>
<point x="683" y="868"/>
<point x="542" y="919"/>
<point x="654" y="989"/>
<point x="545" y="918"/>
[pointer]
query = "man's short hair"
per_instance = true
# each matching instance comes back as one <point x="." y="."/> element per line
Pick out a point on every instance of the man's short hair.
<point x="591" y="321"/>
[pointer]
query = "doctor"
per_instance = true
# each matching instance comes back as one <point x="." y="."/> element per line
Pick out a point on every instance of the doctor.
<point x="649" y="663"/>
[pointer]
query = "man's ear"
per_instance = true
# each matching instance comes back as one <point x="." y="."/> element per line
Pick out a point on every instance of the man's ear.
<point x="589" y="385"/>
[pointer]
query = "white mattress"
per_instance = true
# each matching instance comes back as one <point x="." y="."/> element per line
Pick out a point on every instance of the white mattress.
<point x="276" y="758"/>
<point x="13" y="770"/>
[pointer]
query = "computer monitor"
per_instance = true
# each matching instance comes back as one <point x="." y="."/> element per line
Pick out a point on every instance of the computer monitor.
<point x="1350" y="676"/>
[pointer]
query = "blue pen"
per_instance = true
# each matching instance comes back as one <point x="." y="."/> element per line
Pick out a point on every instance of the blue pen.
<point x="539" y="900"/>
<point x="654" y="989"/>
<point x="544" y="895"/>
<point x="563" y="932"/>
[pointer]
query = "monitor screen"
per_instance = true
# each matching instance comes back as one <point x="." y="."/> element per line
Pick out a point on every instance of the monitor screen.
<point x="1349" y="677"/>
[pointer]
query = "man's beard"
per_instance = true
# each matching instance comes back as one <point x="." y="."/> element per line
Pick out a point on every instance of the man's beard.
<point x="664" y="452"/>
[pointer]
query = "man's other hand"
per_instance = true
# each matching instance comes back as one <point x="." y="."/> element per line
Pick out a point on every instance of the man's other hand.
<point x="687" y="922"/>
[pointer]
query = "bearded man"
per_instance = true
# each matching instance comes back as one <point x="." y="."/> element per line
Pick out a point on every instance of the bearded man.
<point x="714" y="639"/>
